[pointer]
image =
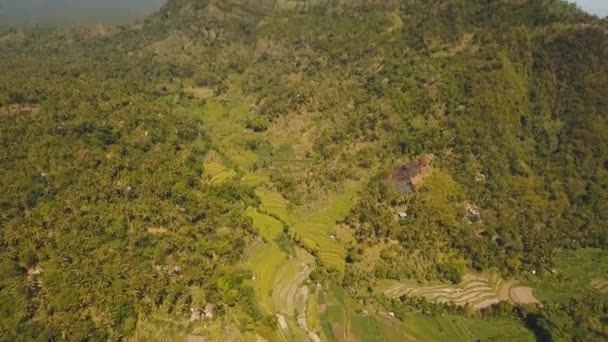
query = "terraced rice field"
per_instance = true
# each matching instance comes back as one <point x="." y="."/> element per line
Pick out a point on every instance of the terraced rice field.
<point x="510" y="291"/>
<point x="316" y="228"/>
<point x="264" y="262"/>
<point x="280" y="279"/>
<point x="477" y="290"/>
<point x="277" y="275"/>
<point x="312" y="310"/>
<point x="253" y="180"/>
<point x="286" y="283"/>
<point x="216" y="173"/>
<point x="274" y="204"/>
<point x="342" y="319"/>
<point x="224" y="118"/>
<point x="289" y="296"/>
<point x="267" y="226"/>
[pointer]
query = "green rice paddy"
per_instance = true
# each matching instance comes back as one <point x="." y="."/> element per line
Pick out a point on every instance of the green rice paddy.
<point x="218" y="173"/>
<point x="268" y="227"/>
<point x="254" y="180"/>
<point x="264" y="263"/>
<point x="274" y="204"/>
<point x="315" y="228"/>
<point x="459" y="328"/>
<point x="572" y="274"/>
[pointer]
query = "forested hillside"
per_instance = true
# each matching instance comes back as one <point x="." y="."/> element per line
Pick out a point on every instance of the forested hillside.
<point x="307" y="170"/>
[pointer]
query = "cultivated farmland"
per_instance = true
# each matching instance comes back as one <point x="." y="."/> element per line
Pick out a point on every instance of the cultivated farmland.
<point x="574" y="273"/>
<point x="457" y="328"/>
<point x="477" y="290"/>
<point x="218" y="173"/>
<point x="316" y="228"/>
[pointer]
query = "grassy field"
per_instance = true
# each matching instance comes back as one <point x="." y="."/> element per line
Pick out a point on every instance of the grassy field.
<point x="163" y="327"/>
<point x="342" y="318"/>
<point x="312" y="313"/>
<point x="159" y="330"/>
<point x="574" y="273"/>
<point x="296" y="334"/>
<point x="458" y="328"/>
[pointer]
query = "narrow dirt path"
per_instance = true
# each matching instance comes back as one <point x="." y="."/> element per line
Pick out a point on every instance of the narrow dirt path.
<point x="302" y="301"/>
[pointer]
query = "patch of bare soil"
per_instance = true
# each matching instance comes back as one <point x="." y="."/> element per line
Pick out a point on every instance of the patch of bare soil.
<point x="194" y="338"/>
<point x="486" y="303"/>
<point x="157" y="230"/>
<point x="321" y="308"/>
<point x="410" y="175"/>
<point x="12" y="38"/>
<point x="176" y="41"/>
<point x="282" y="322"/>
<point x="284" y="291"/>
<point x="503" y="291"/>
<point x="20" y="108"/>
<point x="601" y="285"/>
<point x="95" y="30"/>
<point x="200" y="93"/>
<point x="260" y="338"/>
<point x="523" y="295"/>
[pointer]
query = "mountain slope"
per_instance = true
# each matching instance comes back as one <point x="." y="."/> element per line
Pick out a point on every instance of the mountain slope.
<point x="219" y="169"/>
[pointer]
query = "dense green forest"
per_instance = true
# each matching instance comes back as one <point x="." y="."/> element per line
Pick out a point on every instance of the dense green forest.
<point x="222" y="169"/>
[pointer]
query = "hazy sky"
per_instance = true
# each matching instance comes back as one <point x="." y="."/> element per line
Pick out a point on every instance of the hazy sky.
<point x="597" y="7"/>
<point x="119" y="11"/>
<point x="74" y="11"/>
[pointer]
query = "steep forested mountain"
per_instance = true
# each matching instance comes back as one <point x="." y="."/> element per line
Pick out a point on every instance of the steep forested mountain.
<point x="307" y="170"/>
